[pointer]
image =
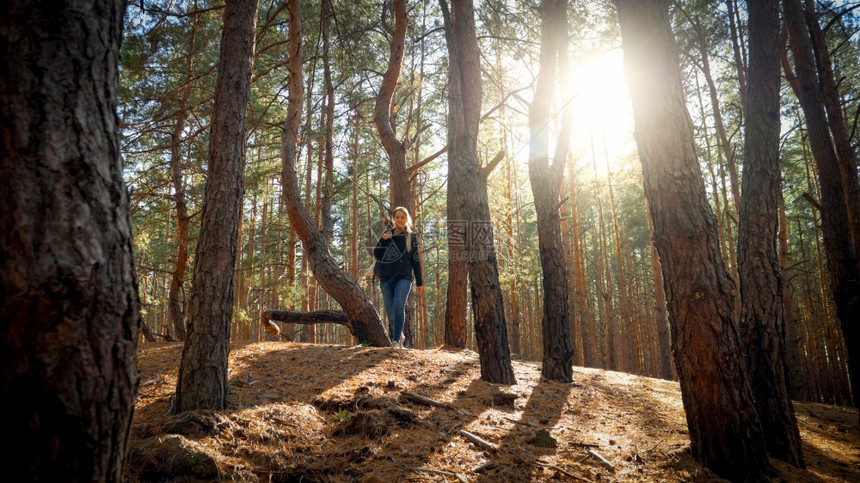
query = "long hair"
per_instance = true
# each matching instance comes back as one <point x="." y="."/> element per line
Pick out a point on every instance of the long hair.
<point x="408" y="226"/>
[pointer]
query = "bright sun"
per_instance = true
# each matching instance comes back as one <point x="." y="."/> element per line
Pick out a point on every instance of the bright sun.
<point x="603" y="114"/>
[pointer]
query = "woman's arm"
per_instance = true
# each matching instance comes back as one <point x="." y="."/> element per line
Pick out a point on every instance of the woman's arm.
<point x="415" y="260"/>
<point x="382" y="245"/>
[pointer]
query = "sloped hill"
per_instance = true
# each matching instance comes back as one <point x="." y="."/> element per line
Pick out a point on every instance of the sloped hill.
<point x="307" y="412"/>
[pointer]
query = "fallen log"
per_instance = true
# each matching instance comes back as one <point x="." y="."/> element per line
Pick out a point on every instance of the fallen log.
<point x="313" y="317"/>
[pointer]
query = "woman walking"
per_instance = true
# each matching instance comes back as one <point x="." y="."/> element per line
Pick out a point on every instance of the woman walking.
<point x="397" y="259"/>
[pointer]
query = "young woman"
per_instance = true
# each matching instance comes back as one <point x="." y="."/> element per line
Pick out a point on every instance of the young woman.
<point x="397" y="259"/>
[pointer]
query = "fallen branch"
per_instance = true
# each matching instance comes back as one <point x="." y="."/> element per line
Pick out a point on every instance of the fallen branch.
<point x="560" y="470"/>
<point x="424" y="400"/>
<point x="585" y="445"/>
<point x="478" y="441"/>
<point x="603" y="460"/>
<point x="417" y="398"/>
<point x="314" y="317"/>
<point x="442" y="473"/>
<point x="486" y="466"/>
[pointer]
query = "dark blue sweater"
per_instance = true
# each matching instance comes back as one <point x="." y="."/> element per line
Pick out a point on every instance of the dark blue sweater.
<point x="394" y="262"/>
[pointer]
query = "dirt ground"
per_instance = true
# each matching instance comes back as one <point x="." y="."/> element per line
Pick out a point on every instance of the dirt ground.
<point x="330" y="413"/>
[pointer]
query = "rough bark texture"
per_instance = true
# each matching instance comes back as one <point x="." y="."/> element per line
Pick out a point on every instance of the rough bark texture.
<point x="546" y="178"/>
<point x="458" y="269"/>
<point x="367" y="327"/>
<point x="174" y="303"/>
<point x="725" y="432"/>
<point x="202" y="380"/>
<point x="69" y="308"/>
<point x="843" y="261"/>
<point x="762" y="325"/>
<point x="470" y="192"/>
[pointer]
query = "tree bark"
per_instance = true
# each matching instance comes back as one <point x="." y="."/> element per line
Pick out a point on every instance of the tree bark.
<point x="367" y="327"/>
<point x="762" y="323"/>
<point x="401" y="192"/>
<point x="725" y="432"/>
<point x="663" y="336"/>
<point x="843" y="261"/>
<point x="69" y="309"/>
<point x="546" y="179"/>
<point x="470" y="192"/>
<point x="836" y="121"/>
<point x="458" y="269"/>
<point x="202" y="382"/>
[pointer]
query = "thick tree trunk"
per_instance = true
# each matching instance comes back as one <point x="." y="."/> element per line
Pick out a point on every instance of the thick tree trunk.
<point x="367" y="327"/>
<point x="725" y="432"/>
<point x="69" y="309"/>
<point x="202" y="380"/>
<point x="843" y="261"/>
<point x="470" y="192"/>
<point x="762" y="323"/>
<point x="546" y="179"/>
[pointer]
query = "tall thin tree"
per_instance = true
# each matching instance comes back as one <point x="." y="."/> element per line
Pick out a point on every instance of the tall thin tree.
<point x="464" y="111"/>
<point x="725" y="432"/>
<point x="762" y="326"/>
<point x="836" y="186"/>
<point x="203" y="370"/>
<point x="69" y="308"/>
<point x="546" y="178"/>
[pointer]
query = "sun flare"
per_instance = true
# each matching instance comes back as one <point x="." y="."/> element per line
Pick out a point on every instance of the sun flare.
<point x="603" y="114"/>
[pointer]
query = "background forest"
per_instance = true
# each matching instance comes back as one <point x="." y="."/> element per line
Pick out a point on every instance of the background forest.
<point x="167" y="78"/>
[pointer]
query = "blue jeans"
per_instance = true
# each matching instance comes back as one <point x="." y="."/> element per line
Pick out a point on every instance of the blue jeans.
<point x="394" y="294"/>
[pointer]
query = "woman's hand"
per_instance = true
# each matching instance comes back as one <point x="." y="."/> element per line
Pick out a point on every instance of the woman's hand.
<point x="386" y="234"/>
<point x="420" y="289"/>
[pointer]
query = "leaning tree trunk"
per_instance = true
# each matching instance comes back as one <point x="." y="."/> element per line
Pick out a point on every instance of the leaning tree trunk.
<point x="725" y="432"/>
<point x="366" y="325"/>
<point x="762" y="323"/>
<point x="836" y="184"/>
<point x="464" y="110"/>
<point x="546" y="179"/>
<point x="202" y="380"/>
<point x="400" y="175"/>
<point x="69" y="308"/>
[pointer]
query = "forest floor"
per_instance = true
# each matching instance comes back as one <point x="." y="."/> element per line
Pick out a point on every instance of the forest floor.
<point x="331" y="413"/>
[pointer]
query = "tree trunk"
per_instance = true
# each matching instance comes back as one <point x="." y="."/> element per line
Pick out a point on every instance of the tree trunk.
<point x="725" y="432"/>
<point x="794" y="355"/>
<point x="663" y="335"/>
<point x="458" y="269"/>
<point x="546" y="179"/>
<point x="69" y="309"/>
<point x="174" y="304"/>
<point x="367" y="327"/>
<point x="464" y="110"/>
<point x="202" y="380"/>
<point x="836" y="185"/>
<point x="836" y="121"/>
<point x="326" y="185"/>
<point x="762" y="323"/>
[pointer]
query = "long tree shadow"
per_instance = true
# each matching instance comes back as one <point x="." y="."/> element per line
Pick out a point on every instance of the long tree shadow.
<point x="530" y="439"/>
